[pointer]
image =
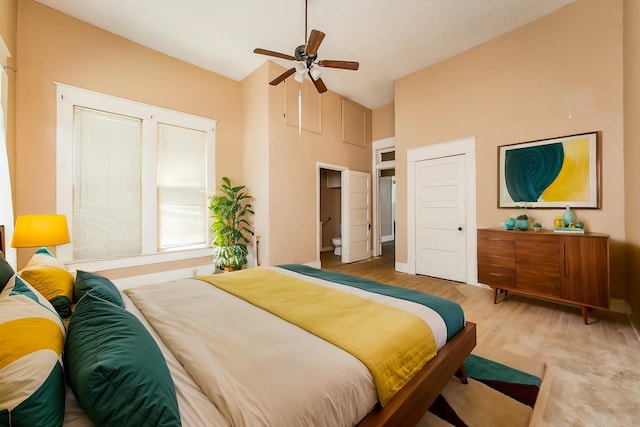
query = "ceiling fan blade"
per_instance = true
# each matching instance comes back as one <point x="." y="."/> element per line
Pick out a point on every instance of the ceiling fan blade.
<point x="313" y="44"/>
<point x="319" y="84"/>
<point x="272" y="53"/>
<point x="345" y="65"/>
<point x="282" y="77"/>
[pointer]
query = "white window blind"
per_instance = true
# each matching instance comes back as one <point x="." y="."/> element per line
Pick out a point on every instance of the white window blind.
<point x="133" y="180"/>
<point x="182" y="191"/>
<point x="106" y="184"/>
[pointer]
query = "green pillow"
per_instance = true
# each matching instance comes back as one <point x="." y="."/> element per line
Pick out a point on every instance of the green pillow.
<point x="115" y="368"/>
<point x="101" y="287"/>
<point x="6" y="272"/>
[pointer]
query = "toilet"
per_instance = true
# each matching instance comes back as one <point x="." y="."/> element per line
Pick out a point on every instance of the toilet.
<point x="337" y="243"/>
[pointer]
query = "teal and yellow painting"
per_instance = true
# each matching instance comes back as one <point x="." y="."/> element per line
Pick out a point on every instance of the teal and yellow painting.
<point x="550" y="173"/>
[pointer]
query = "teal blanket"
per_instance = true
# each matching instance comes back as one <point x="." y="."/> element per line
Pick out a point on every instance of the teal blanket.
<point x="450" y="311"/>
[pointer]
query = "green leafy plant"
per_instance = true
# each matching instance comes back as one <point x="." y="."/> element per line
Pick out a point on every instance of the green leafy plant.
<point x="523" y="215"/>
<point x="230" y="227"/>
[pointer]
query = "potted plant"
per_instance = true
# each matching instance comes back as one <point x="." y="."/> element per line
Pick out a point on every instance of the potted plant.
<point x="522" y="222"/>
<point x="230" y="228"/>
<point x="537" y="226"/>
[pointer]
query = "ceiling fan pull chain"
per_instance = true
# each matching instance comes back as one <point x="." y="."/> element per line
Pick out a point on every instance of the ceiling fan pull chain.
<point x="306" y="15"/>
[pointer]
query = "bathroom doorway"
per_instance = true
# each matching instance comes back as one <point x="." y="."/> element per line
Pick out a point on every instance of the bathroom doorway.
<point x="330" y="237"/>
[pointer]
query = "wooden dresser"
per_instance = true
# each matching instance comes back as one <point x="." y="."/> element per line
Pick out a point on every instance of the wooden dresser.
<point x="572" y="268"/>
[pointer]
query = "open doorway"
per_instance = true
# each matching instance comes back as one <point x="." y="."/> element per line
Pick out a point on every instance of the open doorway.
<point x="330" y="190"/>
<point x="344" y="214"/>
<point x="384" y="198"/>
<point x="387" y="217"/>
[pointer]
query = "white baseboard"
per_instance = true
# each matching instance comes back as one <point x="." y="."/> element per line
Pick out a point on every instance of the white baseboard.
<point x="326" y="249"/>
<point x="314" y="264"/>
<point x="389" y="238"/>
<point x="163" y="276"/>
<point x="402" y="267"/>
<point x="480" y="285"/>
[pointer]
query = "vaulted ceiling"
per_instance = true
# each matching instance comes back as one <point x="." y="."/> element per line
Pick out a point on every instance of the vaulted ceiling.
<point x="389" y="38"/>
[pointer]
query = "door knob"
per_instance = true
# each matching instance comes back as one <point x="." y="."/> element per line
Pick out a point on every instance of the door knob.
<point x="459" y="228"/>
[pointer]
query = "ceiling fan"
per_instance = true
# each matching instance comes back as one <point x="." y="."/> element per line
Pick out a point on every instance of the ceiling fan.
<point x="306" y="56"/>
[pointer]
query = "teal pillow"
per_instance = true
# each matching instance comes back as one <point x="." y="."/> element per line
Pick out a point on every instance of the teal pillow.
<point x="99" y="285"/>
<point x="116" y="369"/>
<point x="6" y="272"/>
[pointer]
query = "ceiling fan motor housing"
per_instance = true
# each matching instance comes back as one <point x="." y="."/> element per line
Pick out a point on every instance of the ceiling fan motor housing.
<point x="301" y="54"/>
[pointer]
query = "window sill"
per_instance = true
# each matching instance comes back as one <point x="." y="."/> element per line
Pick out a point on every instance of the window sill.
<point x="156" y="258"/>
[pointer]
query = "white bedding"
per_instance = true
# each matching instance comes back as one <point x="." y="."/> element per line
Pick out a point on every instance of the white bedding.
<point x="232" y="361"/>
<point x="195" y="407"/>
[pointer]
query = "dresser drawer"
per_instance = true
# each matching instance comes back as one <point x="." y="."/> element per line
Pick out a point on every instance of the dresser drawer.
<point x="496" y="244"/>
<point x="497" y="261"/>
<point x="538" y="251"/>
<point x="496" y="277"/>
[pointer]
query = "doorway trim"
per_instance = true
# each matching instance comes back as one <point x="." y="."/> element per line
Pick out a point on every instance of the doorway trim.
<point x="329" y="166"/>
<point x="382" y="145"/>
<point x="462" y="146"/>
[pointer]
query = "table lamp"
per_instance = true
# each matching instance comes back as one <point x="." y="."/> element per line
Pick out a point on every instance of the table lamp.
<point x="40" y="230"/>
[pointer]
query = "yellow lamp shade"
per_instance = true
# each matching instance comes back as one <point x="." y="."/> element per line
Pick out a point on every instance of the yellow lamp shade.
<point x="40" y="230"/>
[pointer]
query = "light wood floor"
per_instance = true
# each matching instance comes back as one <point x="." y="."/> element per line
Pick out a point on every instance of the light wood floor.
<point x="593" y="370"/>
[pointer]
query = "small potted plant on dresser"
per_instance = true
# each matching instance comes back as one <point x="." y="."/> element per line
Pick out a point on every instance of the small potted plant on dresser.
<point x="522" y="222"/>
<point x="230" y="227"/>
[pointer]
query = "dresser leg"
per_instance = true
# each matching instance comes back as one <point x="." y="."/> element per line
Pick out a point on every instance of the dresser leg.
<point x="585" y="316"/>
<point x="495" y="294"/>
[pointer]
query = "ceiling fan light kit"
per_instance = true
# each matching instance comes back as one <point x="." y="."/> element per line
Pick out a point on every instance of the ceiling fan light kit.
<point x="307" y="55"/>
<point x="315" y="73"/>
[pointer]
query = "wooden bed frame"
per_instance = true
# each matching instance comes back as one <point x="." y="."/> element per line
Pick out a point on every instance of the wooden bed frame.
<point x="413" y="400"/>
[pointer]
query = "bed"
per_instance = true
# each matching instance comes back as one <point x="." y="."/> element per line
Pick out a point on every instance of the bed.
<point x="233" y="362"/>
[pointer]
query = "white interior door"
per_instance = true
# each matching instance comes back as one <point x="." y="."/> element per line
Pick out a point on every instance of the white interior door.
<point x="440" y="218"/>
<point x="356" y="236"/>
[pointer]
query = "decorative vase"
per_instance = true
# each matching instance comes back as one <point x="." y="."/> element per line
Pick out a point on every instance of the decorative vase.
<point x="522" y="224"/>
<point x="568" y="217"/>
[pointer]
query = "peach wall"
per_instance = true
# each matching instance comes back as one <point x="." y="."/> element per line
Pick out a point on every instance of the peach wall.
<point x="384" y="122"/>
<point x="255" y="151"/>
<point x="632" y="151"/>
<point x="293" y="210"/>
<point x="559" y="75"/>
<point x="55" y="47"/>
<point x="253" y="145"/>
<point x="8" y="31"/>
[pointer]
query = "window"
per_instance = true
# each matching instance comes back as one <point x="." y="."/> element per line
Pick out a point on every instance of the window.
<point x="133" y="180"/>
<point x="182" y="193"/>
<point x="387" y="156"/>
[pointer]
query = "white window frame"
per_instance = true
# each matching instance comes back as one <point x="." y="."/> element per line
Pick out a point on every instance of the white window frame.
<point x="67" y="98"/>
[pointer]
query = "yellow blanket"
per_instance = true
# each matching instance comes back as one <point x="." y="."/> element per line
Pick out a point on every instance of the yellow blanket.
<point x="392" y="343"/>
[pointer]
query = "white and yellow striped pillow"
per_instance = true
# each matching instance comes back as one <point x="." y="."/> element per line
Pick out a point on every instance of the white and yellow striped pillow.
<point x="31" y="341"/>
<point x="51" y="278"/>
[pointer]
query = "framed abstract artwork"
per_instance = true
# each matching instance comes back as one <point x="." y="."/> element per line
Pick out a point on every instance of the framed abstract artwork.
<point x="550" y="173"/>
